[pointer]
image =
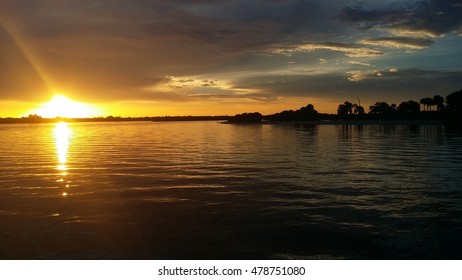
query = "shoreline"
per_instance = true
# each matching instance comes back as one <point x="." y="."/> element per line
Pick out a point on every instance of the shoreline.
<point x="348" y="122"/>
<point x="222" y="121"/>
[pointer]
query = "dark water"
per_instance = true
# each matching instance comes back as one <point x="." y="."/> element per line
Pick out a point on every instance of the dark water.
<point x="202" y="190"/>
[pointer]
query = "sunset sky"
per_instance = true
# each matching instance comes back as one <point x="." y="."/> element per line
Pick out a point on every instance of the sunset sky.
<point x="204" y="57"/>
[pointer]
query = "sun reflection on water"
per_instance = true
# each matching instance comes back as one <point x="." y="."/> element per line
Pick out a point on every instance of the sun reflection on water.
<point x="62" y="136"/>
<point x="62" y="133"/>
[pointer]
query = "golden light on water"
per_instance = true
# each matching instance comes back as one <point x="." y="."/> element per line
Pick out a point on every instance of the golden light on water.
<point x="62" y="137"/>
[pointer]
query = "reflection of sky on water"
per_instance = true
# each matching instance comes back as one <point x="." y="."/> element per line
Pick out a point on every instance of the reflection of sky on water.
<point x="138" y="190"/>
<point x="62" y="134"/>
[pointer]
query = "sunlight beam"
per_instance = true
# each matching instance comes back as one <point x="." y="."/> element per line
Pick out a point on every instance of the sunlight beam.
<point x="13" y="30"/>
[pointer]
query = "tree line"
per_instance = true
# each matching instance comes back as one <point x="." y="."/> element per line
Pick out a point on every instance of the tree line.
<point x="307" y="113"/>
<point x="448" y="109"/>
<point x="445" y="108"/>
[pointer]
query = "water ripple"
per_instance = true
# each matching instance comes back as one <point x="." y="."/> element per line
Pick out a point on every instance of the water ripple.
<point x="206" y="190"/>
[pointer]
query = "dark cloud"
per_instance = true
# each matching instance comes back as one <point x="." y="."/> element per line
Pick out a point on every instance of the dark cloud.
<point x="108" y="49"/>
<point x="436" y="17"/>
<point x="314" y="85"/>
<point x="405" y="84"/>
<point x="243" y="26"/>
<point x="389" y="84"/>
<point x="225" y="36"/>
<point x="179" y="50"/>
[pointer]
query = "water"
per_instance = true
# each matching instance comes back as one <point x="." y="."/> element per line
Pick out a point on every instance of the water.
<point x="202" y="190"/>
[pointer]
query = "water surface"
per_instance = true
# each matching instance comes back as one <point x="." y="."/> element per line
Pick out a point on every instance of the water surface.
<point x="203" y="190"/>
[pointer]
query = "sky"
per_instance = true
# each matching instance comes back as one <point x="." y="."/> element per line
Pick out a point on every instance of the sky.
<point x="204" y="57"/>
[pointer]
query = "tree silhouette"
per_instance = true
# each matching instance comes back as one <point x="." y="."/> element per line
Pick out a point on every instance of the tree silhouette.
<point x="454" y="108"/>
<point x="438" y="100"/>
<point x="409" y="109"/>
<point x="349" y="108"/>
<point x="247" y="118"/>
<point x="358" y="109"/>
<point x="307" y="113"/>
<point x="454" y="101"/>
<point x="381" y="108"/>
<point x="427" y="102"/>
<point x="345" y="109"/>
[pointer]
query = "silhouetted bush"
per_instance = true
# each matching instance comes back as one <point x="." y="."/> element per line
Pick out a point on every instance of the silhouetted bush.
<point x="382" y="110"/>
<point x="247" y="118"/>
<point x="348" y="110"/>
<point x="307" y="113"/>
<point x="409" y="109"/>
<point x="454" y="108"/>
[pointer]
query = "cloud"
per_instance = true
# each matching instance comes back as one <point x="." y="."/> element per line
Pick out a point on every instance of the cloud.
<point x="398" y="42"/>
<point x="189" y="89"/>
<point x="433" y="17"/>
<point x="394" y="84"/>
<point x="240" y="26"/>
<point x="113" y="50"/>
<point x="358" y="63"/>
<point x="227" y="36"/>
<point x="349" y="50"/>
<point x="371" y="86"/>
<point x="187" y="51"/>
<point x="359" y="75"/>
<point x="356" y="76"/>
<point x="190" y="83"/>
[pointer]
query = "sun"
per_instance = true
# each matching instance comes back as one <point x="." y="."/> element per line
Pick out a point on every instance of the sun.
<point x="61" y="106"/>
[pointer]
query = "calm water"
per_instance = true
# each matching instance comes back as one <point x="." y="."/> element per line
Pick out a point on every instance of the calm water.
<point x="202" y="190"/>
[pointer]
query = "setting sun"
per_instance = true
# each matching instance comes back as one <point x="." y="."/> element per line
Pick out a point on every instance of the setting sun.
<point x="61" y="106"/>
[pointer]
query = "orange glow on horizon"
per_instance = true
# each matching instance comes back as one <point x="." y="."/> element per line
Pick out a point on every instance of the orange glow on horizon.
<point x="61" y="106"/>
<point x="153" y="109"/>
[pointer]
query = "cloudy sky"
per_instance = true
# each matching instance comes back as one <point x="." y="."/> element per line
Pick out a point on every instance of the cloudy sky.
<point x="204" y="57"/>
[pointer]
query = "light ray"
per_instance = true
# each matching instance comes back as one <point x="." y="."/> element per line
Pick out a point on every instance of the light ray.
<point x="14" y="31"/>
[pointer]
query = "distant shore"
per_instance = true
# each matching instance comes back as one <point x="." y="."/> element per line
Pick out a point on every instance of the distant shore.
<point x="369" y="122"/>
<point x="110" y="119"/>
<point x="348" y="122"/>
<point x="253" y="118"/>
<point x="224" y="121"/>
